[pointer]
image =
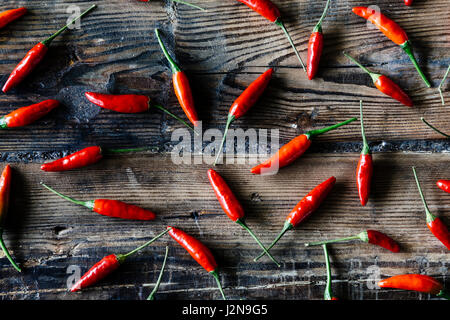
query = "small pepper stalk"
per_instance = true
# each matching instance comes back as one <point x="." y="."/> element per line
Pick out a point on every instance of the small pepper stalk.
<point x="158" y="282"/>
<point x="219" y="285"/>
<point x="409" y="51"/>
<point x="280" y="23"/>
<point x="87" y="204"/>
<point x="373" y="75"/>
<point x="313" y="133"/>
<point x="229" y="121"/>
<point x="174" y="116"/>
<point x="172" y="63"/>
<point x="124" y="150"/>
<point x="328" y="294"/>
<point x="6" y="252"/>
<point x="366" y="148"/>
<point x="287" y="226"/>
<point x="441" y="84"/>
<point x="430" y="216"/>
<point x="318" y="27"/>
<point x="363" y="236"/>
<point x="434" y="128"/>
<point x="189" y="4"/>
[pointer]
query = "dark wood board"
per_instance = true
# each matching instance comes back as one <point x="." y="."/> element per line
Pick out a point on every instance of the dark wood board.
<point x="223" y="50"/>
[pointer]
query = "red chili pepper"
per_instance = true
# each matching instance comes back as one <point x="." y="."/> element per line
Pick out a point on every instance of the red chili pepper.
<point x="328" y="294"/>
<point x="444" y="185"/>
<point x="304" y="209"/>
<point x="5" y="187"/>
<point x="34" y="56"/>
<point x="111" y="208"/>
<point x="82" y="158"/>
<point x="26" y="115"/>
<point x="127" y="103"/>
<point x="436" y="226"/>
<point x="364" y="169"/>
<point x="315" y="46"/>
<point x="409" y="2"/>
<point x="107" y="265"/>
<point x="199" y="252"/>
<point x="369" y="236"/>
<point x="245" y="101"/>
<point x="293" y="150"/>
<point x="182" y="2"/>
<point x="269" y="11"/>
<point x="232" y="207"/>
<point x="434" y="128"/>
<point x="181" y="85"/>
<point x="386" y="85"/>
<point x="415" y="282"/>
<point x="393" y="31"/>
<point x="11" y="15"/>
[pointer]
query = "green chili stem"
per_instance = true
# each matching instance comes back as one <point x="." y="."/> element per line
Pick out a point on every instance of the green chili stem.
<point x="125" y="150"/>
<point x="328" y="295"/>
<point x="317" y="132"/>
<point x="318" y="27"/>
<point x="189" y="4"/>
<point x="158" y="282"/>
<point x="280" y="23"/>
<point x="229" y="121"/>
<point x="332" y="241"/>
<point x="434" y="128"/>
<point x="47" y="41"/>
<point x="124" y="256"/>
<point x="87" y="204"/>
<point x="373" y="75"/>
<point x="174" y="116"/>
<point x="408" y="49"/>
<point x="366" y="148"/>
<point x="287" y="226"/>
<point x="444" y="294"/>
<point x="172" y="63"/>
<point x="7" y="254"/>
<point x="430" y="216"/>
<point x="216" y="276"/>
<point x="441" y="84"/>
<point x="244" y="225"/>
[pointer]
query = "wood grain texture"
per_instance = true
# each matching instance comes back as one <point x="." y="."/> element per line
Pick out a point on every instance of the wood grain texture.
<point x="222" y="51"/>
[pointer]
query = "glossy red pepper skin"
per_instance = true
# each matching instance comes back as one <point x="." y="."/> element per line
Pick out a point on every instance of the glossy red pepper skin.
<point x="315" y="48"/>
<point x="11" y="15"/>
<point x="26" y="66"/>
<point x="264" y="7"/>
<point x="444" y="185"/>
<point x="195" y="248"/>
<point x="26" y="115"/>
<point x="382" y="240"/>
<point x="183" y="92"/>
<point x="390" y="88"/>
<point x="79" y="159"/>
<point x="440" y="231"/>
<point x="408" y="2"/>
<point x="119" y="209"/>
<point x="125" y="103"/>
<point x="100" y="270"/>
<point x="364" y="174"/>
<point x="5" y="188"/>
<point x="415" y="282"/>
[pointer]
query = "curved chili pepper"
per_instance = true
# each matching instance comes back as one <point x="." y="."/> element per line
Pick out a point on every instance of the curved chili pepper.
<point x="245" y="101"/>
<point x="199" y="252"/>
<point x="26" y="115"/>
<point x="393" y="31"/>
<point x="293" y="150"/>
<point x="364" y="170"/>
<point x="442" y="83"/>
<point x="34" y="56"/>
<point x="328" y="294"/>
<point x="436" y="226"/>
<point x="107" y="265"/>
<point x="315" y="46"/>
<point x="444" y="185"/>
<point x="369" y="236"/>
<point x="232" y="207"/>
<point x="304" y="209"/>
<point x="269" y="11"/>
<point x="415" y="282"/>
<point x="11" y="15"/>
<point x="434" y="128"/>
<point x="182" y="2"/>
<point x="111" y="208"/>
<point x="181" y="85"/>
<point x="82" y="158"/>
<point x="127" y="103"/>
<point x="386" y="85"/>
<point x="5" y="187"/>
<point x="158" y="282"/>
<point x="409" y="2"/>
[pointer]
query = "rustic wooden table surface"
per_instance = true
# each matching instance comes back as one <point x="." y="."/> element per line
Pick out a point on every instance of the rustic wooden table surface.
<point x="223" y="50"/>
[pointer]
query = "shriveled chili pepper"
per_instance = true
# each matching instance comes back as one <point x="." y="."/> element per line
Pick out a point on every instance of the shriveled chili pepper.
<point x="444" y="185"/>
<point x="34" y="56"/>
<point x="436" y="226"/>
<point x="158" y="282"/>
<point x="415" y="282"/>
<point x="107" y="265"/>
<point x="29" y="114"/>
<point x="181" y="85"/>
<point x="364" y="169"/>
<point x="5" y="187"/>
<point x="369" y="236"/>
<point x="304" y="209"/>
<point x="386" y="85"/>
<point x="434" y="128"/>
<point x="127" y="103"/>
<point x="199" y="252"/>
<point x="293" y="150"/>
<point x="182" y="2"/>
<point x="442" y="83"/>
<point x="232" y="207"/>
<point x="245" y="101"/>
<point x="270" y="11"/>
<point x="315" y="46"/>
<point x="111" y="208"/>
<point x="83" y="158"/>
<point x="393" y="31"/>
<point x="11" y="15"/>
<point x="328" y="294"/>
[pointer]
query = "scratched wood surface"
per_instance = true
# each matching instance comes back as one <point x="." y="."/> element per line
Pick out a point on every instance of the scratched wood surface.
<point x="223" y="50"/>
